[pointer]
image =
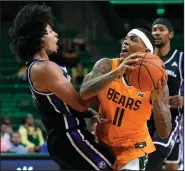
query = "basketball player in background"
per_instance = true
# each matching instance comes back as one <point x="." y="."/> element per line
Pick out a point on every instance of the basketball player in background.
<point x="62" y="109"/>
<point x="168" y="148"/>
<point x="127" y="109"/>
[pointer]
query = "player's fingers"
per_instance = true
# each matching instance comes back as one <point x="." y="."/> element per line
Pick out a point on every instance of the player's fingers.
<point x="132" y="61"/>
<point x="175" y="104"/>
<point x="134" y="55"/>
<point x="127" y="67"/>
<point x="99" y="120"/>
<point x="154" y="90"/>
<point x="159" y="85"/>
<point x="174" y="100"/>
<point x="164" y="82"/>
<point x="104" y="120"/>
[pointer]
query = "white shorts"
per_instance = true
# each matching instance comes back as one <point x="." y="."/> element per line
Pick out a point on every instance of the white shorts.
<point x="132" y="165"/>
<point x="136" y="164"/>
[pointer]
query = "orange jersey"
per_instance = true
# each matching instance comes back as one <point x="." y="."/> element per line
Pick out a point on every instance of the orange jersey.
<point x="127" y="110"/>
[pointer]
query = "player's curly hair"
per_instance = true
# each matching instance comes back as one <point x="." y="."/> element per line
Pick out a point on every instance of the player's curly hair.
<point x="28" y="29"/>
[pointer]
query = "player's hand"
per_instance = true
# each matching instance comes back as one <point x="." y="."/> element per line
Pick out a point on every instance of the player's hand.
<point x="95" y="116"/>
<point x="126" y="64"/>
<point x="157" y="92"/>
<point x="98" y="119"/>
<point x="176" y="101"/>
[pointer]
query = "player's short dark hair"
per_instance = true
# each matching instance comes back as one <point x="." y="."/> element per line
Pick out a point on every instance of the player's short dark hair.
<point x="165" y="22"/>
<point x="28" y="29"/>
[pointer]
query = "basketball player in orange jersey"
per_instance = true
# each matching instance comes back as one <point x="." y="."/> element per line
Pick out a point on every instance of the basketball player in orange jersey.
<point x="127" y="109"/>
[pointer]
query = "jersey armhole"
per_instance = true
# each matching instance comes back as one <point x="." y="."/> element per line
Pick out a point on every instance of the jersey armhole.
<point x="115" y="63"/>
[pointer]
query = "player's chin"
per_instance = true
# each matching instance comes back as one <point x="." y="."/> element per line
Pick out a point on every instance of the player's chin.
<point x="52" y="52"/>
<point x="158" y="45"/>
<point x="124" y="54"/>
<point x="55" y="49"/>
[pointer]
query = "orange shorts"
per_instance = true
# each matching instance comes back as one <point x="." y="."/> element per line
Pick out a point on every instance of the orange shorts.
<point x="128" y="153"/>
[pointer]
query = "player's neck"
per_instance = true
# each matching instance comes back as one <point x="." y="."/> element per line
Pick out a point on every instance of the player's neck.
<point x="41" y="55"/>
<point x="162" y="51"/>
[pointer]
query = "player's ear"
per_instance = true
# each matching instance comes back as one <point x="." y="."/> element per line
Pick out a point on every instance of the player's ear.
<point x="42" y="43"/>
<point x="171" y="34"/>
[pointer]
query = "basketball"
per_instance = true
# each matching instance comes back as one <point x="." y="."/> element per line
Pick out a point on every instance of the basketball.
<point x="147" y="72"/>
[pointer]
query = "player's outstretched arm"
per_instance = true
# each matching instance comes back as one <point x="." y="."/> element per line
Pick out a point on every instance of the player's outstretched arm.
<point x="51" y="77"/>
<point x="162" y="114"/>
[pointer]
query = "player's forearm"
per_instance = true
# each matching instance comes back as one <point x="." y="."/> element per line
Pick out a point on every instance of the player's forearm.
<point x="162" y="117"/>
<point x="93" y="87"/>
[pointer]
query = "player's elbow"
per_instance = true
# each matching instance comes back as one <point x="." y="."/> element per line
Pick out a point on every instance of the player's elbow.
<point x="164" y="134"/>
<point x="83" y="94"/>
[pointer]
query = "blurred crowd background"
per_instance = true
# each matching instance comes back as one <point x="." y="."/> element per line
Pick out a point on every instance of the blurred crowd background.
<point x="87" y="31"/>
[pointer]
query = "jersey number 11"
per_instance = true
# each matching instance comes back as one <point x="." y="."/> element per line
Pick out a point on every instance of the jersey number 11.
<point x="118" y="117"/>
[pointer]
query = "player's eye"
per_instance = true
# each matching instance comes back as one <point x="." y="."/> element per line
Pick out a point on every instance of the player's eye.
<point x="125" y="39"/>
<point x="133" y="38"/>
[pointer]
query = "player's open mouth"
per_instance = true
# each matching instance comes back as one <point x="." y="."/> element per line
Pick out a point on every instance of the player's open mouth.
<point x="124" y="49"/>
<point x="57" y="43"/>
<point x="157" y="38"/>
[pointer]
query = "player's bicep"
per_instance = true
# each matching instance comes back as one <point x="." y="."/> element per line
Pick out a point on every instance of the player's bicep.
<point x="100" y="68"/>
<point x="57" y="83"/>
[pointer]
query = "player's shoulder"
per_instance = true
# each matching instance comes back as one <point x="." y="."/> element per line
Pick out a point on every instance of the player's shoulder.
<point x="104" y="65"/>
<point x="177" y="52"/>
<point x="104" y="60"/>
<point x="44" y="67"/>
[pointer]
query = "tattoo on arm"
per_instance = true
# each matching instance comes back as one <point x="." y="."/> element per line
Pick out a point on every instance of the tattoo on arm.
<point x="100" y="77"/>
<point x="162" y="115"/>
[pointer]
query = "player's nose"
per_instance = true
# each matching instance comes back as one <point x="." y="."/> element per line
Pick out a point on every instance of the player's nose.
<point x="156" y="33"/>
<point x="125" y="42"/>
<point x="56" y="35"/>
